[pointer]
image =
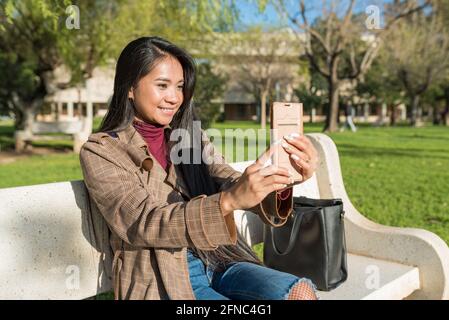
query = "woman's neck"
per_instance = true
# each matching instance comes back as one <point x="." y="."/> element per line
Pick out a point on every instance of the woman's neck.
<point x="147" y="122"/>
<point x="153" y="135"/>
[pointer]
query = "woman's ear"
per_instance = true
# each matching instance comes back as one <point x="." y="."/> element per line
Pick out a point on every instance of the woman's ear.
<point x="131" y="93"/>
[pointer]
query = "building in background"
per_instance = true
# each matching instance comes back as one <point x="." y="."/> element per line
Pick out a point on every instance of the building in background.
<point x="239" y="102"/>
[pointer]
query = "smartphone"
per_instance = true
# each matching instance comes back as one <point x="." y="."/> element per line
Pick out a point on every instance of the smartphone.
<point x="286" y="118"/>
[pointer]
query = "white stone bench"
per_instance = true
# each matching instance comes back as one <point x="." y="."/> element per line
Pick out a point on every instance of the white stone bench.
<point x="49" y="250"/>
<point x="78" y="128"/>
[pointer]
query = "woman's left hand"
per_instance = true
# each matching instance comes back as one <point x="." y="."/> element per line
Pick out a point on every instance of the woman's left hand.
<point x="303" y="154"/>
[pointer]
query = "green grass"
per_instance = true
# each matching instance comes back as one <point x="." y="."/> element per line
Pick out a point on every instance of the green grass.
<point x="398" y="176"/>
<point x="6" y="135"/>
<point x="38" y="169"/>
<point x="395" y="176"/>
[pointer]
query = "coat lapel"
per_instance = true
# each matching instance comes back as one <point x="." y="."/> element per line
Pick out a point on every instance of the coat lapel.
<point x="138" y="151"/>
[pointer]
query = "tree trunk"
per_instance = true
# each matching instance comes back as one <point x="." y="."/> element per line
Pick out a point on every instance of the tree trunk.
<point x="392" y="114"/>
<point x="366" y="112"/>
<point x="312" y="114"/>
<point x="263" y="109"/>
<point x="28" y="119"/>
<point x="445" y="117"/>
<point x="18" y="119"/>
<point x="332" y="112"/>
<point x="414" y="115"/>
<point x="435" y="115"/>
<point x="444" y="114"/>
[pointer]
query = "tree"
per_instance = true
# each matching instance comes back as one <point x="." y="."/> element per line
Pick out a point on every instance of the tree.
<point x="35" y="40"/>
<point x="258" y="59"/>
<point x="310" y="93"/>
<point x="208" y="87"/>
<point x="30" y="46"/>
<point x="417" y="52"/>
<point x="442" y="88"/>
<point x="330" y="43"/>
<point x="381" y="86"/>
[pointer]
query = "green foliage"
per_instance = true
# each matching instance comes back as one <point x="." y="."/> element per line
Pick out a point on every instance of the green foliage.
<point x="312" y="93"/>
<point x="380" y="84"/>
<point x="209" y="86"/>
<point x="349" y="40"/>
<point x="35" y="39"/>
<point x="30" y="40"/>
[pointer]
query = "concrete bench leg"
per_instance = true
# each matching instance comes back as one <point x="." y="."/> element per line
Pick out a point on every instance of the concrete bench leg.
<point x="78" y="141"/>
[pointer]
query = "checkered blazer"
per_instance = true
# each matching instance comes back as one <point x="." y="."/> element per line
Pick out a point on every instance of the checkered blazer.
<point x="150" y="221"/>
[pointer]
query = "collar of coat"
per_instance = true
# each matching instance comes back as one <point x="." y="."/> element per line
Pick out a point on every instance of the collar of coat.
<point x="136" y="148"/>
<point x="131" y="136"/>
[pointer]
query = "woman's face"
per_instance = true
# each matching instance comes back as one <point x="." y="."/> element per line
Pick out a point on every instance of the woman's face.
<point x="158" y="95"/>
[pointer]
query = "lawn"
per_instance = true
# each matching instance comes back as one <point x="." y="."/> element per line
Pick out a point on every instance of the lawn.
<point x="395" y="176"/>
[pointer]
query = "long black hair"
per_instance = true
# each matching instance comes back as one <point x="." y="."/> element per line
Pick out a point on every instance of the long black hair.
<point x="137" y="59"/>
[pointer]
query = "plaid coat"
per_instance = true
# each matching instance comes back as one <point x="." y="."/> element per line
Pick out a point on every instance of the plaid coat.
<point x="151" y="222"/>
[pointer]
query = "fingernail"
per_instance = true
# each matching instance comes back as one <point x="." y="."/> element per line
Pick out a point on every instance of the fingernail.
<point x="288" y="137"/>
<point x="294" y="135"/>
<point x="285" y="145"/>
<point x="294" y="157"/>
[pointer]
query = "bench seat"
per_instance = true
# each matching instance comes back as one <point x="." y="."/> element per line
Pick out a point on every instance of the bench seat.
<point x="389" y="280"/>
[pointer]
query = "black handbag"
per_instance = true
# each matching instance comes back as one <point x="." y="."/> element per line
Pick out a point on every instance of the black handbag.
<point x="311" y="243"/>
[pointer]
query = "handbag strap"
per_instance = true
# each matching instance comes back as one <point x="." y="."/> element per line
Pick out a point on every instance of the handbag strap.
<point x="278" y="200"/>
<point x="267" y="220"/>
<point x="293" y="233"/>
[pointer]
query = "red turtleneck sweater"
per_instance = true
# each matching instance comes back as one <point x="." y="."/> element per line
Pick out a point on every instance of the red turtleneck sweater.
<point x="155" y="138"/>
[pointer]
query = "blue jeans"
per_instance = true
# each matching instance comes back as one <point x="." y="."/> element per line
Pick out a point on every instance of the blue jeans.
<point x="240" y="281"/>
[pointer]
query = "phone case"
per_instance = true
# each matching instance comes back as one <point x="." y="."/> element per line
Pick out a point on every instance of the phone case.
<point x="286" y="118"/>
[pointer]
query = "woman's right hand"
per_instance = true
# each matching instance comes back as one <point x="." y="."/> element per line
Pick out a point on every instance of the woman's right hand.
<point x="255" y="184"/>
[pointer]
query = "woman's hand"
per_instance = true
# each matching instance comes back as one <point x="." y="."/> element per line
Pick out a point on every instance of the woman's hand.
<point x="255" y="184"/>
<point x="303" y="154"/>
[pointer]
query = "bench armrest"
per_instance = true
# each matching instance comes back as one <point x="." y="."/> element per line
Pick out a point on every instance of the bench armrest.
<point x="410" y="246"/>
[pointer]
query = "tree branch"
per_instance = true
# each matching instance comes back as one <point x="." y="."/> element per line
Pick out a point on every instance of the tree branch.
<point x="405" y="13"/>
<point x="316" y="66"/>
<point x="341" y="31"/>
<point x="306" y="27"/>
<point x="355" y="70"/>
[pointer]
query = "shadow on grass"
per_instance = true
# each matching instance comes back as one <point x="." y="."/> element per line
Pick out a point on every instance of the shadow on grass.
<point x="358" y="151"/>
<point x="60" y="145"/>
<point x="7" y="142"/>
<point x="428" y="137"/>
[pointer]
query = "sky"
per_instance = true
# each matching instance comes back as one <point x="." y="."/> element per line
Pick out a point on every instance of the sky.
<point x="249" y="13"/>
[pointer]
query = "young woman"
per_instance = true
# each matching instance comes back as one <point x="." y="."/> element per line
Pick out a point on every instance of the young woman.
<point x="172" y="226"/>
